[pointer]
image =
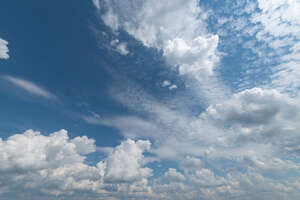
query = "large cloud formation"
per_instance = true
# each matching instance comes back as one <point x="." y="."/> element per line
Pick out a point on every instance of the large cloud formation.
<point x="243" y="145"/>
<point x="186" y="44"/>
<point x="36" y="166"/>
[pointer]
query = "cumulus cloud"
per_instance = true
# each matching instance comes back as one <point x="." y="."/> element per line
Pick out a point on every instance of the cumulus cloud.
<point x="3" y="49"/>
<point x="129" y="155"/>
<point x="174" y="175"/>
<point x="192" y="56"/>
<point x="258" y="115"/>
<point x="51" y="164"/>
<point x="30" y="87"/>
<point x="55" y="166"/>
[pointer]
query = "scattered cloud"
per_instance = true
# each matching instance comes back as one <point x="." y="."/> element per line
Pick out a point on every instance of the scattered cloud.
<point x="120" y="47"/>
<point x="3" y="49"/>
<point x="280" y="30"/>
<point x="173" y="87"/>
<point x="166" y="83"/>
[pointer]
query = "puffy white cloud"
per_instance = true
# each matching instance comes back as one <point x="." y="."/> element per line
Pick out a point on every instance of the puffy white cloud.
<point x="260" y="116"/>
<point x="124" y="164"/>
<point x="30" y="87"/>
<point x="3" y="49"/>
<point x="32" y="151"/>
<point x="205" y="184"/>
<point x="174" y="175"/>
<point x="53" y="166"/>
<point x="198" y="55"/>
<point x="152" y="22"/>
<point x="253" y="107"/>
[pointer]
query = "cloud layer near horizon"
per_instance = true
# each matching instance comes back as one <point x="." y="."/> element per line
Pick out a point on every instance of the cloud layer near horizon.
<point x="36" y="166"/>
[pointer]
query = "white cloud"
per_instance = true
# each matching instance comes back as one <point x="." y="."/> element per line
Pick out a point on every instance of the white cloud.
<point x="30" y="87"/>
<point x="97" y="4"/>
<point x="280" y="31"/>
<point x="224" y="152"/>
<point x="124" y="163"/>
<point x="185" y="42"/>
<point x="120" y="47"/>
<point x="166" y="83"/>
<point x="257" y="117"/>
<point x="205" y="184"/>
<point x="196" y="56"/>
<point x="3" y="49"/>
<point x="54" y="166"/>
<point x="174" y="175"/>
<point x="33" y="151"/>
<point x="173" y="87"/>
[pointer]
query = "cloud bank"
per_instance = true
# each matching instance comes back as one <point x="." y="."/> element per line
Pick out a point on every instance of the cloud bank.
<point x="36" y="166"/>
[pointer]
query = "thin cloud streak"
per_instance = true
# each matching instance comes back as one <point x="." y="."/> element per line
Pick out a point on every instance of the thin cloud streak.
<point x="30" y="87"/>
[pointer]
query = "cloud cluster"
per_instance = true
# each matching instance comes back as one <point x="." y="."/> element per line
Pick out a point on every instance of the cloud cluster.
<point x="263" y="38"/>
<point x="3" y="49"/>
<point x="37" y="166"/>
<point x="280" y="30"/>
<point x="186" y="44"/>
<point x="47" y="167"/>
<point x="258" y="116"/>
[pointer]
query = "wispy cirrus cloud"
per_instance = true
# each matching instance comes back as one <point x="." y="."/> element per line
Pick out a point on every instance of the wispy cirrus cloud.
<point x="30" y="87"/>
<point x="3" y="49"/>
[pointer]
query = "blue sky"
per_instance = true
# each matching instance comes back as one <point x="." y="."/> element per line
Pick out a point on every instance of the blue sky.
<point x="130" y="99"/>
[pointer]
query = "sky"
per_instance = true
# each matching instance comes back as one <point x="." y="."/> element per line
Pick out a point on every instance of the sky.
<point x="146" y="99"/>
